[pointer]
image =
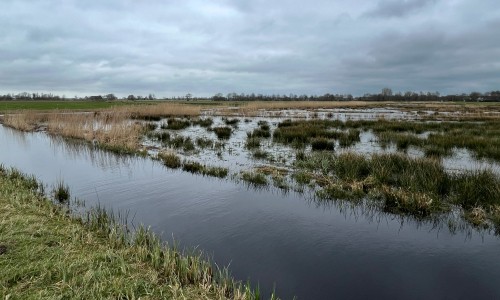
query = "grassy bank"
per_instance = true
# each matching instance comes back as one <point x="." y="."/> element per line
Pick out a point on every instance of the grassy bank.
<point x="46" y="253"/>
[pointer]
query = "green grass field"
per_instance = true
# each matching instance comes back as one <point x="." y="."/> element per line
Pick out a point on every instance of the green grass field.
<point x="6" y="106"/>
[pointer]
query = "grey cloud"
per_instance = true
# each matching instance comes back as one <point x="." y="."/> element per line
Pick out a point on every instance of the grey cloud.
<point x="176" y="47"/>
<point x="397" y="8"/>
<point x="430" y="60"/>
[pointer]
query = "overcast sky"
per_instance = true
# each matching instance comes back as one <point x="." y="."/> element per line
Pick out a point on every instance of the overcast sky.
<point x="204" y="47"/>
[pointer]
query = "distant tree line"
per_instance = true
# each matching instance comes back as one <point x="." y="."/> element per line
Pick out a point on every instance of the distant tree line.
<point x="386" y="94"/>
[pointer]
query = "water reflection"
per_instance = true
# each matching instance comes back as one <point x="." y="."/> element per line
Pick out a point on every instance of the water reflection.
<point x="77" y="149"/>
<point x="309" y="249"/>
<point x="17" y="136"/>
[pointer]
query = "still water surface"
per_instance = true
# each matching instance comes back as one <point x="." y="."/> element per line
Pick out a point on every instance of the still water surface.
<point x="307" y="250"/>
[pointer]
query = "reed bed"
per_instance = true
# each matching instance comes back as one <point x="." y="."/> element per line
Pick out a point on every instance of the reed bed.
<point x="27" y="121"/>
<point x="113" y="131"/>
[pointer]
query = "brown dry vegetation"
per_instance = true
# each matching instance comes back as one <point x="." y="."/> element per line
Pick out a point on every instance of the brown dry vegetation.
<point x="252" y="108"/>
<point x="23" y="121"/>
<point x="160" y="110"/>
<point x="114" y="130"/>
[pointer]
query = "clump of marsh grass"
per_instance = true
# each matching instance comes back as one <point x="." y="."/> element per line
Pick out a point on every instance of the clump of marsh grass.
<point x="61" y="192"/>
<point x="476" y="188"/>
<point x="280" y="182"/>
<point x="161" y="136"/>
<point x="198" y="168"/>
<point x="255" y="179"/>
<point x="477" y="216"/>
<point x="180" y="142"/>
<point x="232" y="122"/>
<point x="223" y="133"/>
<point x="260" y="154"/>
<point x="300" y="155"/>
<point x="436" y="152"/>
<point x="264" y="125"/>
<point x="203" y="142"/>
<point x="322" y="144"/>
<point x="206" y="122"/>
<point x="351" y="167"/>
<point x="336" y="189"/>
<point x="218" y="172"/>
<point x="259" y="132"/>
<point x="188" y="145"/>
<point x="178" y="124"/>
<point x="350" y="138"/>
<point x="192" y="166"/>
<point x="414" y="174"/>
<point x="302" y="178"/>
<point x="398" y="200"/>
<point x="263" y="131"/>
<point x="252" y="143"/>
<point x="170" y="159"/>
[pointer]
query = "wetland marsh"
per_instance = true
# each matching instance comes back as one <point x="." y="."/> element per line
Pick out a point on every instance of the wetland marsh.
<point x="311" y="199"/>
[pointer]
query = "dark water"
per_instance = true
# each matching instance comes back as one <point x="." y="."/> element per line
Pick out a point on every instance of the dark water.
<point x="306" y="250"/>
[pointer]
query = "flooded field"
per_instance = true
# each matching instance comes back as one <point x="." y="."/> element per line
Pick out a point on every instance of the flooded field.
<point x="258" y="195"/>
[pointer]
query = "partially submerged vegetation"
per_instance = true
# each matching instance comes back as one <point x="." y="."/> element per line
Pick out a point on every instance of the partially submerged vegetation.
<point x="198" y="168"/>
<point x="255" y="179"/>
<point x="403" y="185"/>
<point x="48" y="253"/>
<point x="320" y="133"/>
<point x="315" y="148"/>
<point x="173" y="161"/>
<point x="223" y="132"/>
<point x="112" y="131"/>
